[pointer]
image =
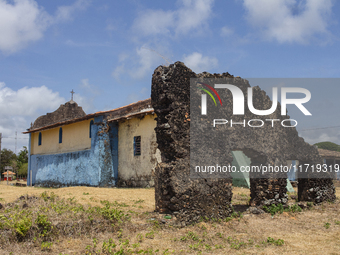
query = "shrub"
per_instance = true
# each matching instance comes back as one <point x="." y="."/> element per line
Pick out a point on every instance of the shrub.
<point x="278" y="242"/>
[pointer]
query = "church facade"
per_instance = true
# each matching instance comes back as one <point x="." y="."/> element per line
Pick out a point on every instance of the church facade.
<point x="109" y="148"/>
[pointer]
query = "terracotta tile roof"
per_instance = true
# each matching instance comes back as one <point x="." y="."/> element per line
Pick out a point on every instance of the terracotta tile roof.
<point x="329" y="154"/>
<point x="147" y="111"/>
<point x="118" y="113"/>
<point x="9" y="173"/>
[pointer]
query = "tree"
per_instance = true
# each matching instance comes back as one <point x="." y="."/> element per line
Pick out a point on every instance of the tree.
<point x="22" y="171"/>
<point x="22" y="157"/>
<point x="328" y="146"/>
<point x="7" y="156"/>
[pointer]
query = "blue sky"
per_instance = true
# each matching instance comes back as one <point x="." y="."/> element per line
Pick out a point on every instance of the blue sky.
<point x="107" y="50"/>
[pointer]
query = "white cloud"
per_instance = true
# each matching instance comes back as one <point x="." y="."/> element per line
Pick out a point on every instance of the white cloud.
<point x="144" y="93"/>
<point x="146" y="61"/>
<point x="118" y="72"/>
<point x="198" y="63"/>
<point x="18" y="108"/>
<point x="324" y="135"/>
<point x="194" y="14"/>
<point x="155" y="22"/>
<point x="65" y="13"/>
<point x="23" y="22"/>
<point x="111" y="26"/>
<point x="226" y="31"/>
<point x="90" y="92"/>
<point x="85" y="84"/>
<point x="27" y="101"/>
<point x="289" y="20"/>
<point x="122" y="57"/>
<point x="84" y="102"/>
<point x="89" y="88"/>
<point x="190" y="16"/>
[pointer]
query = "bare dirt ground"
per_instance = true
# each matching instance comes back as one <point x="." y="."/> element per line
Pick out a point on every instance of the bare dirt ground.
<point x="312" y="231"/>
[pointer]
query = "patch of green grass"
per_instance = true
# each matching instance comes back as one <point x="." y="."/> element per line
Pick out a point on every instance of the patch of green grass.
<point x="138" y="201"/>
<point x="115" y="203"/>
<point x="273" y="209"/>
<point x="219" y="246"/>
<point x="236" y="244"/>
<point x="19" y="222"/>
<point x="278" y="242"/>
<point x="150" y="235"/>
<point x="43" y="224"/>
<point x="327" y="225"/>
<point x="309" y="204"/>
<point x="140" y="238"/>
<point x="108" y="247"/>
<point x="93" y="199"/>
<point x="219" y="235"/>
<point x="46" y="246"/>
<point x="190" y="236"/>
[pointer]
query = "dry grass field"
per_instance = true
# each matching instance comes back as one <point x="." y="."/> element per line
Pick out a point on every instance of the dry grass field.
<point x="86" y="220"/>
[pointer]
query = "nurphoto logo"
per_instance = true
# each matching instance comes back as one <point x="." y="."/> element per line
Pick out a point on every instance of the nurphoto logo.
<point x="239" y="99"/>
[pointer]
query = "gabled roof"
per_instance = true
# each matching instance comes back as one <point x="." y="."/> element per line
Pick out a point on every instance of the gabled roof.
<point x="329" y="154"/>
<point x="127" y="111"/>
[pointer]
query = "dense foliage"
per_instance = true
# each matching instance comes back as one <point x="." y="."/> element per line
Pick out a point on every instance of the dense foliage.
<point x="328" y="146"/>
<point x="19" y="162"/>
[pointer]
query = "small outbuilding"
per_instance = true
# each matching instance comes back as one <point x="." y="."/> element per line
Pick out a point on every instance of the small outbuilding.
<point x="332" y="159"/>
<point x="10" y="175"/>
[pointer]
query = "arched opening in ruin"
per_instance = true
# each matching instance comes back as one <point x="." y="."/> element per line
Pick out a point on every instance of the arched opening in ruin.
<point x="246" y="187"/>
<point x="252" y="186"/>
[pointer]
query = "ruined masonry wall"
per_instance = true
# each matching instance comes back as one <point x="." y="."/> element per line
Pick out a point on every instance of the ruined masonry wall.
<point x="190" y="199"/>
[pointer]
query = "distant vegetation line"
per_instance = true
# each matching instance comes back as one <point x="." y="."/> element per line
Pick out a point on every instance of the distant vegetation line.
<point x="328" y="146"/>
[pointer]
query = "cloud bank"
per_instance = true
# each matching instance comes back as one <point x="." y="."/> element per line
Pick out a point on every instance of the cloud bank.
<point x="289" y="21"/>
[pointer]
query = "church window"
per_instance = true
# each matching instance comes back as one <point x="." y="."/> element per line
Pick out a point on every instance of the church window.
<point x="60" y="135"/>
<point x="40" y="138"/>
<point x="137" y="146"/>
<point x="91" y="123"/>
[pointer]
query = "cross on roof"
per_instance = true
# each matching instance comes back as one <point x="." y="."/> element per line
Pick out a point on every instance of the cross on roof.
<point x="72" y="92"/>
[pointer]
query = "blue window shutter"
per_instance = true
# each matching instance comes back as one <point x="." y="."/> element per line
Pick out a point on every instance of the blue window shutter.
<point x="91" y="123"/>
<point x="60" y="135"/>
<point x="40" y="138"/>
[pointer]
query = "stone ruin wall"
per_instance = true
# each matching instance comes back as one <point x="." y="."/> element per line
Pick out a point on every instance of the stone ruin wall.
<point x="69" y="110"/>
<point x="189" y="199"/>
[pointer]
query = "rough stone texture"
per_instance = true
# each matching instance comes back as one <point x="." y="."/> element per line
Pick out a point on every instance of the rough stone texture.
<point x="69" y="110"/>
<point x="146" y="181"/>
<point x="175" y="191"/>
<point x="189" y="198"/>
<point x="316" y="190"/>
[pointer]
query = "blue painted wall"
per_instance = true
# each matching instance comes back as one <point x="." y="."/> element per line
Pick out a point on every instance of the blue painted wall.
<point x="94" y="167"/>
<point x="66" y="169"/>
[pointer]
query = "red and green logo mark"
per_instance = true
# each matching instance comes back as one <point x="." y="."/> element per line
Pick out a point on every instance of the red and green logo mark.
<point x="209" y="93"/>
